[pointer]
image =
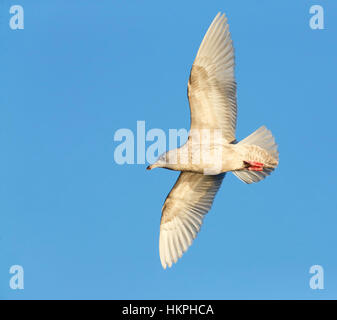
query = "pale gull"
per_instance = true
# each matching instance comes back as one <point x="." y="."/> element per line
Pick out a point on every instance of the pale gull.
<point x="212" y="99"/>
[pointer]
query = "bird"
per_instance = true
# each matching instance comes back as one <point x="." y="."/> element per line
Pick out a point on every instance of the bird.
<point x="212" y="99"/>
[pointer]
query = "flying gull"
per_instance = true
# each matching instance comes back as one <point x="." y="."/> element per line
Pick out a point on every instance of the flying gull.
<point x="212" y="100"/>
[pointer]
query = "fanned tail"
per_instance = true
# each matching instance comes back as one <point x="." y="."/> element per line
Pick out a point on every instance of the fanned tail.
<point x="262" y="148"/>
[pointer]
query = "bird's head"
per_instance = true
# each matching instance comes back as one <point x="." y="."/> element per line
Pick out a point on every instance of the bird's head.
<point x="160" y="163"/>
<point x="167" y="160"/>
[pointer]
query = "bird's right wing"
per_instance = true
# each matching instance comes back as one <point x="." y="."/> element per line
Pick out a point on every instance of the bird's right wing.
<point x="183" y="212"/>
<point x="212" y="86"/>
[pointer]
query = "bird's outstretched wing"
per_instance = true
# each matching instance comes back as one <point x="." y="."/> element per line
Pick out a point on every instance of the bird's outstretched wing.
<point x="212" y="86"/>
<point x="183" y="212"/>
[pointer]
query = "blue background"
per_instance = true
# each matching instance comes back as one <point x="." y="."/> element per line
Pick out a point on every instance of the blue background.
<point x="84" y="227"/>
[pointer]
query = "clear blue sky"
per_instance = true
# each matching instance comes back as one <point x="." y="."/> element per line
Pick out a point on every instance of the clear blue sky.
<point x="84" y="227"/>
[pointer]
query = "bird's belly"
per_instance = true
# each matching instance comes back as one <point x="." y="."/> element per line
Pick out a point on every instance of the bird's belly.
<point x="214" y="159"/>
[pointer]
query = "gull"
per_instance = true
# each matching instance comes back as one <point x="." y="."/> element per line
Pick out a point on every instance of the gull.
<point x="212" y="99"/>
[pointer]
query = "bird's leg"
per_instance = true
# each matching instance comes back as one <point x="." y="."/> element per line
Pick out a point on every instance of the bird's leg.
<point x="253" y="166"/>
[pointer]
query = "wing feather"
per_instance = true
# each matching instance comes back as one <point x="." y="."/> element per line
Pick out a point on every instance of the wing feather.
<point x="183" y="213"/>
<point x="212" y="86"/>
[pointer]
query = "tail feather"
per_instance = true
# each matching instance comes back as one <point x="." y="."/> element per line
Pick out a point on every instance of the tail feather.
<point x="264" y="139"/>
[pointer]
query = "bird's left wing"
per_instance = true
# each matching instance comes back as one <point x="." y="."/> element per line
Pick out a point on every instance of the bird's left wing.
<point x="212" y="86"/>
<point x="183" y="212"/>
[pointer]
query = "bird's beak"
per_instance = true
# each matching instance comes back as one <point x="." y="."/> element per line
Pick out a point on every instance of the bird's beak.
<point x="153" y="165"/>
